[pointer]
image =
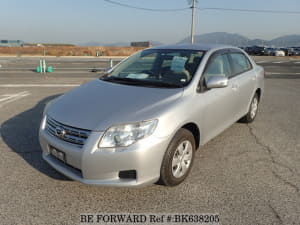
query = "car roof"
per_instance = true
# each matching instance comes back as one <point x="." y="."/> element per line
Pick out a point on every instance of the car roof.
<point x="200" y="47"/>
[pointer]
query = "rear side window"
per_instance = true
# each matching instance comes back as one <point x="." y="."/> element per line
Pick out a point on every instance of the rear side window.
<point x="240" y="63"/>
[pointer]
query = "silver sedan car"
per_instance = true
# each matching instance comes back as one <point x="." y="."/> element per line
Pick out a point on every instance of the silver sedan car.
<point x="143" y="120"/>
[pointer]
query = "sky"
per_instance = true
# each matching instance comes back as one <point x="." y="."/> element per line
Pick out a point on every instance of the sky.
<point x="82" y="21"/>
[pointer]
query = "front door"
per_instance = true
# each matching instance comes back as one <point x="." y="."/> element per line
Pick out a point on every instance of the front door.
<point x="219" y="104"/>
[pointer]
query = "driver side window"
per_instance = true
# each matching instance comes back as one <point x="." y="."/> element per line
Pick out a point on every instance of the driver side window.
<point x="218" y="66"/>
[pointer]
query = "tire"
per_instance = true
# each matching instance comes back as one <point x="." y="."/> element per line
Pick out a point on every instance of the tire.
<point x="252" y="112"/>
<point x="176" y="163"/>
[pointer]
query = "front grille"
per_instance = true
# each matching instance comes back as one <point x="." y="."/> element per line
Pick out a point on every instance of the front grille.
<point x="67" y="133"/>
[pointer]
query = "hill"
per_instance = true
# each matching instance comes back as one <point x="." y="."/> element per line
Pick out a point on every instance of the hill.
<point x="218" y="38"/>
<point x="239" y="40"/>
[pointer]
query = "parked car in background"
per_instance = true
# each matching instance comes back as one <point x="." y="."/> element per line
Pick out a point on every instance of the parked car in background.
<point x="257" y="50"/>
<point x="287" y="51"/>
<point x="292" y="51"/>
<point x="269" y="51"/>
<point x="296" y="51"/>
<point x="143" y="121"/>
<point x="246" y="49"/>
<point x="279" y="52"/>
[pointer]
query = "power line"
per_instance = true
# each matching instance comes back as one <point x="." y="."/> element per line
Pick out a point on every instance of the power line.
<point x="146" y="9"/>
<point x="194" y="6"/>
<point x="251" y="10"/>
<point x="202" y="9"/>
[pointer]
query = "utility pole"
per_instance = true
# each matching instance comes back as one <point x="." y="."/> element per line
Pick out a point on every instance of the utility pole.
<point x="194" y="6"/>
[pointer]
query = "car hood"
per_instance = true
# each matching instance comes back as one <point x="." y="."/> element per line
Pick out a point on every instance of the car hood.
<point x="97" y="105"/>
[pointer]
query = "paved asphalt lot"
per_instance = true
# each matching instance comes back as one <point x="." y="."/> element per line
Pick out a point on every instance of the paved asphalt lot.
<point x="249" y="174"/>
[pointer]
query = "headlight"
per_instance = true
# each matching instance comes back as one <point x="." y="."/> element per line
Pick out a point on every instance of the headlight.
<point x="43" y="123"/>
<point x="48" y="104"/>
<point x="127" y="134"/>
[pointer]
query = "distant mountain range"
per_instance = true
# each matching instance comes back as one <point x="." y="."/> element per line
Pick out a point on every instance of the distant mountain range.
<point x="239" y="40"/>
<point x="116" y="44"/>
<point x="221" y="38"/>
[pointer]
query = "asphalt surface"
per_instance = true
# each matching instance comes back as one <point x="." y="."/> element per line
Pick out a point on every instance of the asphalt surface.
<point x="249" y="174"/>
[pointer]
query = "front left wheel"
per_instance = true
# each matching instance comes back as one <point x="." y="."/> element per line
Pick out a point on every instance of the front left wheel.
<point x="178" y="159"/>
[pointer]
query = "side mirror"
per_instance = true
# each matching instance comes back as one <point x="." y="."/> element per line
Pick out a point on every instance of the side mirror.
<point x="217" y="82"/>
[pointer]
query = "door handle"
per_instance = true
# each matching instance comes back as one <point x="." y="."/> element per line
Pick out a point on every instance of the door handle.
<point x="234" y="87"/>
<point x="254" y="77"/>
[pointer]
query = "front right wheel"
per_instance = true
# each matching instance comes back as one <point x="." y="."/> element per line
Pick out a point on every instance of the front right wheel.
<point x="178" y="158"/>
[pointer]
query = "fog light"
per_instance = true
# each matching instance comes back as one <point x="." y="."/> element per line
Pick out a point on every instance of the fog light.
<point x="127" y="174"/>
<point x="60" y="156"/>
<point x="54" y="152"/>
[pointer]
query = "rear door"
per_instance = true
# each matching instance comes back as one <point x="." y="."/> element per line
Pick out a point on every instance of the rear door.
<point x="244" y="78"/>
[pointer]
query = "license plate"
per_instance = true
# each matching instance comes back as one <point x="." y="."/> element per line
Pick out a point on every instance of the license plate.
<point x="58" y="154"/>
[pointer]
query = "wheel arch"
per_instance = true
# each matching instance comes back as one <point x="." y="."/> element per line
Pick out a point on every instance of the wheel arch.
<point x="194" y="129"/>
<point x="258" y="92"/>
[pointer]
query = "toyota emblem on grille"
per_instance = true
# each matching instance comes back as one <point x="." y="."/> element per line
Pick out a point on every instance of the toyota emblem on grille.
<point x="60" y="132"/>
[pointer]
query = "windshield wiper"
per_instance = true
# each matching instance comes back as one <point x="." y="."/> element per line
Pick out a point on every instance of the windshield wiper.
<point x="113" y="78"/>
<point x="132" y="81"/>
<point x="162" y="84"/>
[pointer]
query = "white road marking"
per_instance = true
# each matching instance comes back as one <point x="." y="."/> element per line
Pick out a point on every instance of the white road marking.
<point x="281" y="62"/>
<point x="75" y="69"/>
<point x="297" y="62"/>
<point x="39" y="85"/>
<point x="262" y="61"/>
<point x="271" y="73"/>
<point x="60" y="71"/>
<point x="8" y="98"/>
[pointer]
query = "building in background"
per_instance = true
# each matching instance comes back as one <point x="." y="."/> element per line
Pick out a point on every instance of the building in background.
<point x="146" y="44"/>
<point x="11" y="43"/>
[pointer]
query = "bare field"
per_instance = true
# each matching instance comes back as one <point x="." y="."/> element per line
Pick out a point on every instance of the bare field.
<point x="68" y="51"/>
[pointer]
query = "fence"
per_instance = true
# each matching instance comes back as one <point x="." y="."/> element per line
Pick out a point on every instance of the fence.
<point x="68" y="51"/>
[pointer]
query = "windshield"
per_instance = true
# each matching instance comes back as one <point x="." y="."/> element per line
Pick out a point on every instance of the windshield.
<point x="157" y="68"/>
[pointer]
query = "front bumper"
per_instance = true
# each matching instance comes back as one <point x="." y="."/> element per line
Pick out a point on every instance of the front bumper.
<point x="91" y="165"/>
